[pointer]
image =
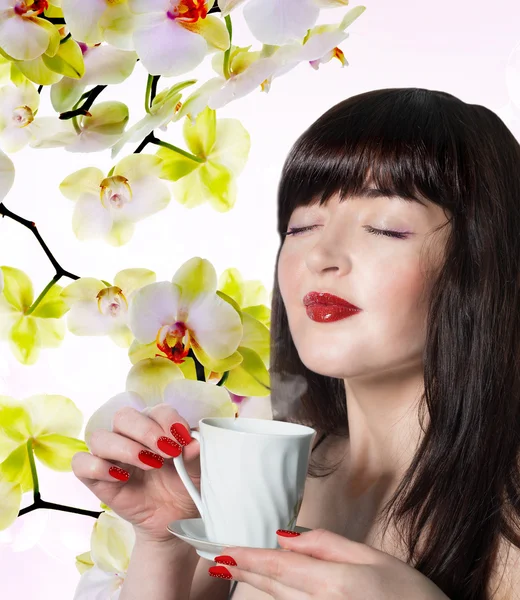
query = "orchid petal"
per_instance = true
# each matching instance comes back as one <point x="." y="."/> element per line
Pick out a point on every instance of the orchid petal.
<point x="18" y="288"/>
<point x="23" y="38"/>
<point x="84" y="318"/>
<point x="200" y="135"/>
<point x="38" y="72"/>
<point x="232" y="145"/>
<point x="87" y="180"/>
<point x="137" y="166"/>
<point x="53" y="413"/>
<point x="118" y="24"/>
<point x="50" y="132"/>
<point x="167" y="48"/>
<point x="149" y="195"/>
<point x="105" y="65"/>
<point x="83" y="19"/>
<point x="6" y="175"/>
<point x="275" y="23"/>
<point x="111" y="543"/>
<point x="11" y="499"/>
<point x="97" y="584"/>
<point x="152" y="307"/>
<point x="121" y="233"/>
<point x="196" y="400"/>
<point x="130" y="280"/>
<point x="251" y="377"/>
<point x="51" y="332"/>
<point x="150" y="376"/>
<point x="148" y="6"/>
<point x="196" y="276"/>
<point x="90" y="219"/>
<point x="215" y="324"/>
<point x="55" y="451"/>
<point x="102" y="417"/>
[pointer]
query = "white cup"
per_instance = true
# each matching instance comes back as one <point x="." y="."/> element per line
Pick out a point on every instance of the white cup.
<point x="253" y="474"/>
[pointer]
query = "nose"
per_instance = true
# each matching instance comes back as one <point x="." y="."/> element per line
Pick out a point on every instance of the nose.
<point x="328" y="254"/>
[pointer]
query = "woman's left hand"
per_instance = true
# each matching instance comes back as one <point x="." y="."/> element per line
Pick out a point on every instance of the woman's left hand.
<point x="325" y="565"/>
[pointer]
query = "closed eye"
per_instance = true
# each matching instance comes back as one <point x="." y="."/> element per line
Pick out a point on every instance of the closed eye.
<point x="386" y="232"/>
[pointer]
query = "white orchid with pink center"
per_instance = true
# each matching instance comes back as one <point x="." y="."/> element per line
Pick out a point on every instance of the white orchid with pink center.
<point x="98" y="308"/>
<point x="108" y="206"/>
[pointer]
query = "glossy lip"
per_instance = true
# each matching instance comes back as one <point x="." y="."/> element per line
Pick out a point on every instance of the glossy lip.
<point x="324" y="298"/>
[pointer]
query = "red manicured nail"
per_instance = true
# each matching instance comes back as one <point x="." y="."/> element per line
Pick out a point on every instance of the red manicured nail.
<point x="151" y="459"/>
<point x="287" y="533"/>
<point x="220" y="572"/>
<point x="119" y="473"/>
<point x="168" y="446"/>
<point x="181" y="434"/>
<point x="224" y="559"/>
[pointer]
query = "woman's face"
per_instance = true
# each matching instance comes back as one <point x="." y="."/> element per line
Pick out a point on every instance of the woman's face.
<point x="384" y="276"/>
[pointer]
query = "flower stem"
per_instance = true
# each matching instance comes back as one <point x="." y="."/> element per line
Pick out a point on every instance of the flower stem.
<point x="84" y="108"/>
<point x="227" y="74"/>
<point x="176" y="149"/>
<point x="33" y="468"/>
<point x="42" y="295"/>
<point x="147" y="93"/>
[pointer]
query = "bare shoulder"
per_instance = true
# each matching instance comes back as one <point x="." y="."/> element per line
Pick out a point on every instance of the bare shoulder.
<point x="505" y="580"/>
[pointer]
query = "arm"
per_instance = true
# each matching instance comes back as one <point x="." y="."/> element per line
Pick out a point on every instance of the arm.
<point x="160" y="570"/>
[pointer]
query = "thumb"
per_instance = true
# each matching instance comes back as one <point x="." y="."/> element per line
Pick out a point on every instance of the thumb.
<point x="326" y="545"/>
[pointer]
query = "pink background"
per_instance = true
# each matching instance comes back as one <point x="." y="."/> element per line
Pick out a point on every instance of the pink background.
<point x="465" y="48"/>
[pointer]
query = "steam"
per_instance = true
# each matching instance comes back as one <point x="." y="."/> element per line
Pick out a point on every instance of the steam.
<point x="289" y="390"/>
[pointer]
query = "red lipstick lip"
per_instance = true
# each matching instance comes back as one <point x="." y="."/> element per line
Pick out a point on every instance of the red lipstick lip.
<point x="326" y="299"/>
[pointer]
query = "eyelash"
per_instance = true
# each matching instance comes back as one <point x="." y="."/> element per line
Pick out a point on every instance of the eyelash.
<point x="385" y="232"/>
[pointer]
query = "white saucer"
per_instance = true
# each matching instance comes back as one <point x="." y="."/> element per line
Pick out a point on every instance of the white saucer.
<point x="194" y="532"/>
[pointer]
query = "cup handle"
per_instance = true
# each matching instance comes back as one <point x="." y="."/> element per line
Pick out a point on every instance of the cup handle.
<point x="186" y="479"/>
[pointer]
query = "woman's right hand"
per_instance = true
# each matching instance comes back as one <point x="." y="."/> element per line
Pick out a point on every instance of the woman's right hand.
<point x="152" y="497"/>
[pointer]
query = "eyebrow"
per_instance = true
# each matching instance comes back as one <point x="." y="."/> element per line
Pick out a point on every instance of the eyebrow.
<point x="378" y="193"/>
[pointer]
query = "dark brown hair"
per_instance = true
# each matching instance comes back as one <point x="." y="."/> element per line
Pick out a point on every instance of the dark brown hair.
<point x="462" y="488"/>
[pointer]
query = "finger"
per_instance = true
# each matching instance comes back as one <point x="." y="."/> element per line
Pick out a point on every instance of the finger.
<point x="152" y="430"/>
<point x="274" y="588"/>
<point x="277" y="570"/>
<point x="89" y="469"/>
<point x="326" y="545"/>
<point x="116" y="447"/>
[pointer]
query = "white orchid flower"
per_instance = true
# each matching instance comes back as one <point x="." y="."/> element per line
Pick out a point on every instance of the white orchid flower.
<point x="18" y="105"/>
<point x="108" y="206"/>
<point x="172" y="37"/>
<point x="99" y="309"/>
<point x="23" y="34"/>
<point x="104" y="65"/>
<point x="96" y="21"/>
<point x="188" y="314"/>
<point x="111" y="545"/>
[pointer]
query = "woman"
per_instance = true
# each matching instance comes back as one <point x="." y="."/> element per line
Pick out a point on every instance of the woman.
<point x="405" y="203"/>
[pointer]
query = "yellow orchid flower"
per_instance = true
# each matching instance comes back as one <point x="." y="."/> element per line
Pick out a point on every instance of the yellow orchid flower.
<point x="28" y="333"/>
<point x="224" y="145"/>
<point x="44" y="424"/>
